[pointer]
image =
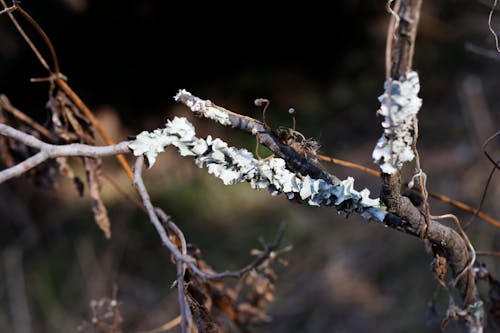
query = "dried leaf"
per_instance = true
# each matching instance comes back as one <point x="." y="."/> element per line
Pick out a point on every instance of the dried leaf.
<point x="439" y="269"/>
<point x="243" y="304"/>
<point x="92" y="169"/>
<point x="68" y="122"/>
<point x="67" y="171"/>
<point x="202" y="318"/>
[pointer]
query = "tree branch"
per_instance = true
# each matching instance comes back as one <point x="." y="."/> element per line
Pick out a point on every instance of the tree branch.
<point x="407" y="218"/>
<point x="401" y="37"/>
<point x="295" y="161"/>
<point x="49" y="151"/>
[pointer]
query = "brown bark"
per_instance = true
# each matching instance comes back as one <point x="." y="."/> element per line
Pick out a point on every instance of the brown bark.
<point x="404" y="215"/>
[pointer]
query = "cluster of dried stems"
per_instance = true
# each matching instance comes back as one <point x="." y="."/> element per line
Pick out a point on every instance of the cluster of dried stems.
<point x="202" y="293"/>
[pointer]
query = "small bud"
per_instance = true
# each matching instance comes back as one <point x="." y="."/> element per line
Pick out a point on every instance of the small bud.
<point x="258" y="102"/>
<point x="254" y="131"/>
<point x="291" y="111"/>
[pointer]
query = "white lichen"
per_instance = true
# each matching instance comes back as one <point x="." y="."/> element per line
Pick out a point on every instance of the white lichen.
<point x="233" y="165"/>
<point x="399" y="106"/>
<point x="203" y="107"/>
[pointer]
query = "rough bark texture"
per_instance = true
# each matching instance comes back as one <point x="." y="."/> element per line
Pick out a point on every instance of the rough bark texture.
<point x="404" y="216"/>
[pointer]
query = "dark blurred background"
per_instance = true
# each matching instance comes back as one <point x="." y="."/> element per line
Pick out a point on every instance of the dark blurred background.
<point x="127" y="59"/>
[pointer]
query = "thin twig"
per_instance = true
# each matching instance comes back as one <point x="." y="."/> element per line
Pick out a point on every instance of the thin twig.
<point x="7" y="106"/>
<point x="472" y="260"/>
<point x="269" y="249"/>
<point x="488" y="253"/>
<point x="118" y="189"/>
<point x="9" y="9"/>
<point x="490" y="176"/>
<point x="348" y="164"/>
<point x="27" y="39"/>
<point x="481" y="51"/>
<point x="165" y="327"/>
<point x="490" y="17"/>
<point x="443" y="198"/>
<point x="45" y="38"/>
<point x="49" y="151"/>
<point x="485" y="144"/>
<point x="422" y="179"/>
<point x="186" y="316"/>
<point x="153" y="217"/>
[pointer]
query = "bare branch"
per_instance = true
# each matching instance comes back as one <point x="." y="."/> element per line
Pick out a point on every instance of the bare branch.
<point x="48" y="151"/>
<point x="186" y="319"/>
<point x="186" y="316"/>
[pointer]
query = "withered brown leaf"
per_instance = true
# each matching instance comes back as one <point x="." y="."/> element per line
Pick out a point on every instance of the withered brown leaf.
<point x="92" y="169"/>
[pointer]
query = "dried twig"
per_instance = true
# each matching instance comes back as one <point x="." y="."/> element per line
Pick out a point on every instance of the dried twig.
<point x="441" y="197"/>
<point x="48" y="151"/>
<point x="490" y="18"/>
<point x="180" y="257"/>
<point x="18" y="114"/>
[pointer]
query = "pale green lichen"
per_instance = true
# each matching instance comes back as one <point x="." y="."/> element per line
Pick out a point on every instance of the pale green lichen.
<point x="203" y="107"/>
<point x="233" y="165"/>
<point x="399" y="106"/>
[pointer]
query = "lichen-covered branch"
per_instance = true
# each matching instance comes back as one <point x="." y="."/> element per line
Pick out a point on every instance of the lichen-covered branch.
<point x="295" y="161"/>
<point x="393" y="149"/>
<point x="400" y="105"/>
<point x="233" y="165"/>
<point x="404" y="216"/>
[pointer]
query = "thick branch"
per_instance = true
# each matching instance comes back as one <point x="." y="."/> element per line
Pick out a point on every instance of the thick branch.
<point x="399" y="58"/>
<point x="400" y="47"/>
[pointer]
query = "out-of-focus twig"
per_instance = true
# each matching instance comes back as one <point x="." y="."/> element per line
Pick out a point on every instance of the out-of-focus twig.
<point x="443" y="198"/>
<point x="16" y="290"/>
<point x="165" y="327"/>
<point x="490" y="18"/>
<point x="8" y="9"/>
<point x="481" y="51"/>
<point x="488" y="253"/>
<point x="7" y="106"/>
<point x="26" y="38"/>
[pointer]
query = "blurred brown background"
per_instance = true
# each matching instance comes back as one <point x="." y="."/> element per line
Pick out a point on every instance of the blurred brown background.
<point x="127" y="59"/>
